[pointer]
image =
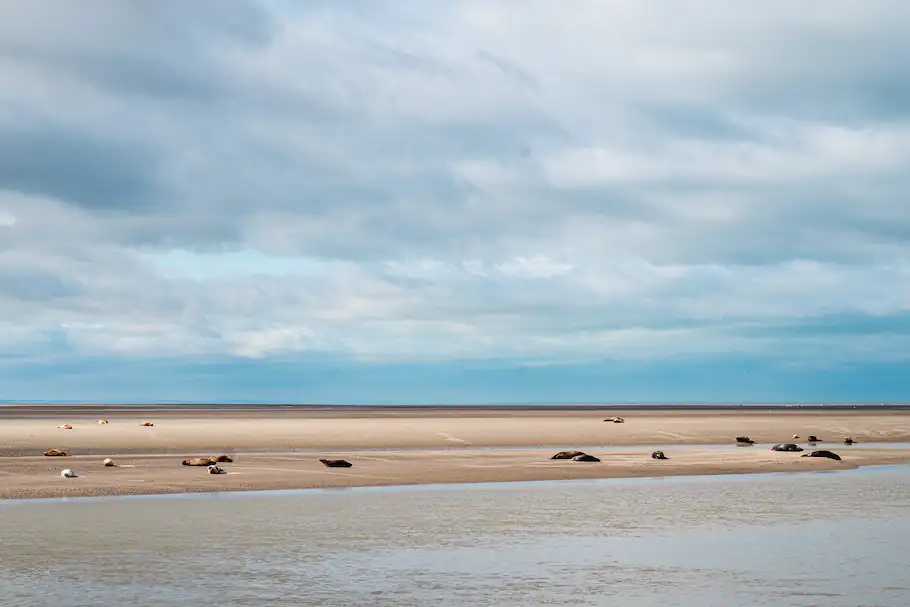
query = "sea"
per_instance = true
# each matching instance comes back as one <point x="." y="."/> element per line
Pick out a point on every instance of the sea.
<point x="826" y="539"/>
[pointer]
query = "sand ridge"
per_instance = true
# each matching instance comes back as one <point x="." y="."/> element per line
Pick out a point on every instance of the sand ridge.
<point x="393" y="431"/>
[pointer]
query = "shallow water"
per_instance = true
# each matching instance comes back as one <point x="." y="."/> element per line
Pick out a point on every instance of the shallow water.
<point x="832" y="539"/>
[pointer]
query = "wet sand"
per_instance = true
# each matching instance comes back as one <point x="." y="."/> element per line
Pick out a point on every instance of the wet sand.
<point x="393" y="447"/>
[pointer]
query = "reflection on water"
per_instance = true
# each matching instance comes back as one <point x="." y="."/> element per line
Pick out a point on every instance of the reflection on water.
<point x="832" y="539"/>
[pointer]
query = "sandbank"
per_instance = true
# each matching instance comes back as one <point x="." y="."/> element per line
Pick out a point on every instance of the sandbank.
<point x="420" y="447"/>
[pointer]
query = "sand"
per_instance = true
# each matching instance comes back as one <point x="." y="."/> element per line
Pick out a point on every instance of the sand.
<point x="281" y="451"/>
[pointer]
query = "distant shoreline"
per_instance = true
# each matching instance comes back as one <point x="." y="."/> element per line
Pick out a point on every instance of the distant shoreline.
<point x="47" y="410"/>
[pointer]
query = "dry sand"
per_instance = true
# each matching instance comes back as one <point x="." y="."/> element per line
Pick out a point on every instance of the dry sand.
<point x="400" y="448"/>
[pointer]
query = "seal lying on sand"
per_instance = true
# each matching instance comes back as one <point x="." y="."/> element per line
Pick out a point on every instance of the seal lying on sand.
<point x="336" y="463"/>
<point x="56" y="453"/>
<point x="659" y="455"/>
<point x="812" y="439"/>
<point x="67" y="473"/>
<point x="786" y="447"/>
<point x="848" y="440"/>
<point x="223" y="459"/>
<point x="828" y="454"/>
<point x="744" y="440"/>
<point x="103" y="422"/>
<point x="65" y="427"/>
<point x="146" y="424"/>
<point x="567" y="454"/>
<point x="615" y="420"/>
<point x="108" y="463"/>
<point x="213" y="469"/>
<point x="584" y="457"/>
<point x="199" y="461"/>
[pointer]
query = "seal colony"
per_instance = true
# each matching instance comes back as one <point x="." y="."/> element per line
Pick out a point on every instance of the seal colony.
<point x="211" y="462"/>
<point x="399" y="446"/>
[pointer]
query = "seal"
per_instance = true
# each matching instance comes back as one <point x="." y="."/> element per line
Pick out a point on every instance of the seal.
<point x="67" y="473"/>
<point x="786" y="447"/>
<point x="199" y="461"/>
<point x="659" y="455"/>
<point x="584" y="457"/>
<point x="567" y="454"/>
<point x="828" y="454"/>
<point x="336" y="463"/>
<point x="56" y="453"/>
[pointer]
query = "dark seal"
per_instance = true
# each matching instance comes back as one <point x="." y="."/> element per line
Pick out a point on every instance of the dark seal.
<point x="567" y="454"/>
<point x="336" y="463"/>
<point x="786" y="447"/>
<point x="828" y="454"/>
<point x="584" y="457"/>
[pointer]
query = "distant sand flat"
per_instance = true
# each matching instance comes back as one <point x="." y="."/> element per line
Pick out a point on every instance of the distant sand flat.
<point x="419" y="446"/>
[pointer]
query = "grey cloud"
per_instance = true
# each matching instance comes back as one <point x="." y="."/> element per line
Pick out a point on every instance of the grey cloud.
<point x="34" y="287"/>
<point x="678" y="164"/>
<point x="161" y="49"/>
<point x="66" y="146"/>
<point x="509" y="69"/>
<point x="693" y="121"/>
<point x="86" y="169"/>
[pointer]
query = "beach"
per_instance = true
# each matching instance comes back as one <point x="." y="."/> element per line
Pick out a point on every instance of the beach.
<point x="280" y="449"/>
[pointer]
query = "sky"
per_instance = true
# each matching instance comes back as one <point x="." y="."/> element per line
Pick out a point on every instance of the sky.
<point x="455" y="202"/>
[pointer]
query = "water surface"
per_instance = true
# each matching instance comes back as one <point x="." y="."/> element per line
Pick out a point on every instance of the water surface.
<point x="834" y="539"/>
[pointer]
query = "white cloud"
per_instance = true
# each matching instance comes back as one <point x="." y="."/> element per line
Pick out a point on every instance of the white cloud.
<point x="535" y="267"/>
<point x="446" y="180"/>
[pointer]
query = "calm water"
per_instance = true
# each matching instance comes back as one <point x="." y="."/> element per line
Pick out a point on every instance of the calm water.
<point x="831" y="539"/>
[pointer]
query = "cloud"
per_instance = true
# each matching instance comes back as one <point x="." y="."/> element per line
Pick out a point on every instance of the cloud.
<point x="81" y="168"/>
<point x="454" y="181"/>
